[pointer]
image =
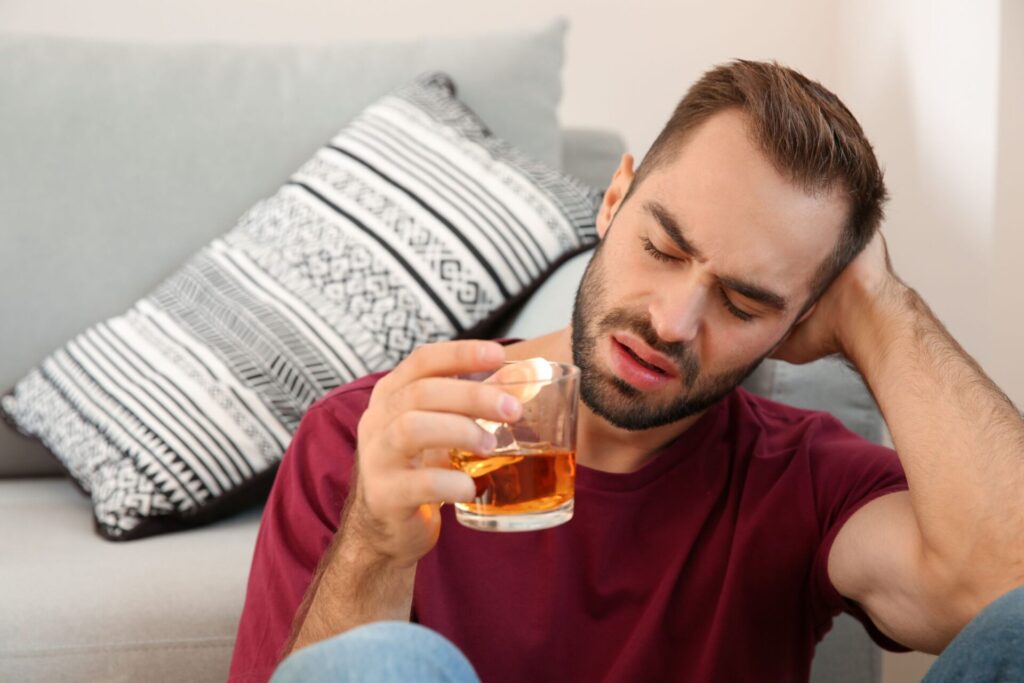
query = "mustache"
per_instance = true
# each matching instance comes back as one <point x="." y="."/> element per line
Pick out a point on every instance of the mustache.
<point x="679" y="352"/>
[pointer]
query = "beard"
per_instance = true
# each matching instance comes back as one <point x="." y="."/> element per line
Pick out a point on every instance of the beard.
<point x="613" y="399"/>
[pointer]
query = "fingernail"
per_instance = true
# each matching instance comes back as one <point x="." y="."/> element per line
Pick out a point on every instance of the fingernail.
<point x="489" y="353"/>
<point x="509" y="407"/>
<point x="488" y="442"/>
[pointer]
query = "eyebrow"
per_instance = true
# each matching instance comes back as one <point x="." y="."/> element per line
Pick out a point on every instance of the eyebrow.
<point x="749" y="290"/>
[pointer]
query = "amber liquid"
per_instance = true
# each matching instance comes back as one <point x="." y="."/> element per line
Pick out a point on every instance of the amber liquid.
<point x="527" y="478"/>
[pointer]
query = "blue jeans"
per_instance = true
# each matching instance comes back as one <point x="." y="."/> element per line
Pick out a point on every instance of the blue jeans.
<point x="382" y="652"/>
<point x="990" y="649"/>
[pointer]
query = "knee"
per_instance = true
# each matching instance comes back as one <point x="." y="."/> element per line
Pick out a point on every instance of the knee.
<point x="989" y="648"/>
<point x="1005" y="615"/>
<point x="399" y="636"/>
<point x="386" y="650"/>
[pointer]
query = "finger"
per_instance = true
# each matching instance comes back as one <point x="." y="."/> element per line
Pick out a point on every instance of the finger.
<point x="430" y="485"/>
<point x="462" y="397"/>
<point x="446" y="359"/>
<point x="433" y="457"/>
<point x="416" y="431"/>
<point x="437" y="457"/>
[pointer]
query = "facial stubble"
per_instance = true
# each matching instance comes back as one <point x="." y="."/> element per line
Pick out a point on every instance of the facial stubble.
<point x="613" y="399"/>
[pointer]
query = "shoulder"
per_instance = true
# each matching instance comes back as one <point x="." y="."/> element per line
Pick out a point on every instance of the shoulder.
<point x="330" y="424"/>
<point x="345" y="404"/>
<point x="834" y="456"/>
<point x="356" y="391"/>
<point x="784" y="427"/>
<point x="317" y="465"/>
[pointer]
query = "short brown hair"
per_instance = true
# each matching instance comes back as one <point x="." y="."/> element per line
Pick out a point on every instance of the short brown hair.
<point x="803" y="129"/>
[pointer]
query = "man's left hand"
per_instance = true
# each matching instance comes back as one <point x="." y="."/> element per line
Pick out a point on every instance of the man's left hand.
<point x="830" y="326"/>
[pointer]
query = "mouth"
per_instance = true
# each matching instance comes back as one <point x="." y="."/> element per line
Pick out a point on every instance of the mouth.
<point x="635" y="367"/>
<point x="644" y="356"/>
<point x="641" y="361"/>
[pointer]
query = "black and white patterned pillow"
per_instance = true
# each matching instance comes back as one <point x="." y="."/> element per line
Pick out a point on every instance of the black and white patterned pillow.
<point x="414" y="224"/>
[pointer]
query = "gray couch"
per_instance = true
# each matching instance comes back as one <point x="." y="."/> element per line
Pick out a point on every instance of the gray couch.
<point x="76" y="249"/>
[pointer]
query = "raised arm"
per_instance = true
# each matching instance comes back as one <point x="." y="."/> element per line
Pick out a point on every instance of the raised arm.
<point x="923" y="563"/>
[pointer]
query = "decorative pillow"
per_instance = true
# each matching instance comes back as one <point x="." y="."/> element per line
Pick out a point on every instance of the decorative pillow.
<point x="414" y="224"/>
<point x="119" y="160"/>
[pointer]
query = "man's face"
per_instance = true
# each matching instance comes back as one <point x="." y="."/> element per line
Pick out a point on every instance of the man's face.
<point x="707" y="268"/>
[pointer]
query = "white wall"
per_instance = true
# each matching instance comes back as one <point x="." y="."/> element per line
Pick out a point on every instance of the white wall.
<point x="922" y="76"/>
<point x="1008" y="283"/>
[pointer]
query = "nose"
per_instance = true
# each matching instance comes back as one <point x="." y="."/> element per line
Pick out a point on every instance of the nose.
<point x="677" y="313"/>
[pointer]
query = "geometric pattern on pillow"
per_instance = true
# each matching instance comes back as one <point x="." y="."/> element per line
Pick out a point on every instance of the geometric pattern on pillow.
<point x="412" y="225"/>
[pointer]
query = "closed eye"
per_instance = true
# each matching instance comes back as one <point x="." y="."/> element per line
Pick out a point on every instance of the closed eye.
<point x="733" y="309"/>
<point x="655" y="252"/>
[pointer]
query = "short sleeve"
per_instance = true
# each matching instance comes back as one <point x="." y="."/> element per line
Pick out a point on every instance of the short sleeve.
<point x="299" y="521"/>
<point x="848" y="472"/>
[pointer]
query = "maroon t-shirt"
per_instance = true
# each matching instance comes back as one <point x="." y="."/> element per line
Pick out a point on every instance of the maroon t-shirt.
<point x="709" y="563"/>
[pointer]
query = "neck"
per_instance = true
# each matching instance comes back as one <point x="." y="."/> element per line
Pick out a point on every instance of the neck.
<point x="601" y="445"/>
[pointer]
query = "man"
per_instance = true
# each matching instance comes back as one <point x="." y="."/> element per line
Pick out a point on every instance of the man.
<point x="716" y="534"/>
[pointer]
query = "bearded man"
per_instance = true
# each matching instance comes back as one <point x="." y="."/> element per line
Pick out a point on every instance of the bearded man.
<point x="716" y="534"/>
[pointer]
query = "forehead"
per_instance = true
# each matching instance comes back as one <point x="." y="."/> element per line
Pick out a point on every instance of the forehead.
<point x="750" y="220"/>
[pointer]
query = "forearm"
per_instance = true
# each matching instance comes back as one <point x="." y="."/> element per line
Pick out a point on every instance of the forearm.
<point x="354" y="585"/>
<point x="401" y="478"/>
<point x="959" y="438"/>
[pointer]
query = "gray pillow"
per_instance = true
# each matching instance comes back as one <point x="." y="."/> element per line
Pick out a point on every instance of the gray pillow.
<point x="412" y="225"/>
<point x="119" y="160"/>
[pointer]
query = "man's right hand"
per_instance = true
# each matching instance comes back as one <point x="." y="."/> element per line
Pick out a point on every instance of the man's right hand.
<point x="416" y="414"/>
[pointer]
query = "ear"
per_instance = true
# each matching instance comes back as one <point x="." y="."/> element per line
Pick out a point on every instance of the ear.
<point x="792" y="347"/>
<point x="781" y="349"/>
<point x="616" y="192"/>
<point x="807" y="314"/>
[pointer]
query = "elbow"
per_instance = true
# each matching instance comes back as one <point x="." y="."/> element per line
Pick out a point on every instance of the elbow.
<point x="996" y="620"/>
<point x="987" y="591"/>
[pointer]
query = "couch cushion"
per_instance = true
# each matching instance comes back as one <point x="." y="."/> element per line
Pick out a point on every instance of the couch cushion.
<point x="414" y="224"/>
<point x="79" y="609"/>
<point x="120" y="160"/>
